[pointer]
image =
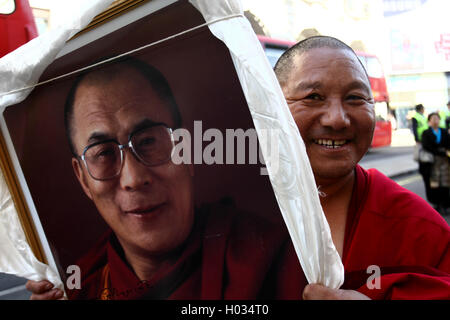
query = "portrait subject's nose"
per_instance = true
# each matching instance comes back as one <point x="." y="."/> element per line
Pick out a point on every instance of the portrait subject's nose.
<point x="134" y="174"/>
<point x="335" y="116"/>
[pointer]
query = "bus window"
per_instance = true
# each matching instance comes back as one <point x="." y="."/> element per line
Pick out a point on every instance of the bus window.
<point x="363" y="61"/>
<point x="273" y="54"/>
<point x="381" y="111"/>
<point x="373" y="67"/>
<point x="7" y="6"/>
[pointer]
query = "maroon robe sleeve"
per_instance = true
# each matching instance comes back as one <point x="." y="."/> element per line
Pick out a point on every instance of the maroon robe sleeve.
<point x="398" y="232"/>
<point x="410" y="283"/>
<point x="240" y="255"/>
<point x="253" y="250"/>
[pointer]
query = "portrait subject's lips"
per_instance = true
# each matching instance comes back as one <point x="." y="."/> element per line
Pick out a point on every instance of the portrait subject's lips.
<point x="144" y="210"/>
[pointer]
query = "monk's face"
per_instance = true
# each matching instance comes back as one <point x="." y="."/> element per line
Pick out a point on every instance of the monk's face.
<point x="150" y="209"/>
<point x="330" y="99"/>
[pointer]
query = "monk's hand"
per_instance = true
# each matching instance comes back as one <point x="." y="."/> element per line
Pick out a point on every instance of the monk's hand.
<point x="320" y="292"/>
<point x="43" y="290"/>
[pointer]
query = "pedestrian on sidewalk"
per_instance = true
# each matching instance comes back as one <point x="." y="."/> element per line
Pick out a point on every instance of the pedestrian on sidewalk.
<point x="419" y="125"/>
<point x="419" y="122"/>
<point x="436" y="174"/>
<point x="445" y="118"/>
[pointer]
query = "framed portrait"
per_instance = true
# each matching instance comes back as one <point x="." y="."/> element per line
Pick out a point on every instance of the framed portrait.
<point x="60" y="221"/>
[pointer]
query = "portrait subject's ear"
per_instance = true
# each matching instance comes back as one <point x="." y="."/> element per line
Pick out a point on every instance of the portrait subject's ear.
<point x="79" y="172"/>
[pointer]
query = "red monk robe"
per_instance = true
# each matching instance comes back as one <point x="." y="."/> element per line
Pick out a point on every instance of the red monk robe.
<point x="229" y="255"/>
<point x="390" y="227"/>
<point x="387" y="226"/>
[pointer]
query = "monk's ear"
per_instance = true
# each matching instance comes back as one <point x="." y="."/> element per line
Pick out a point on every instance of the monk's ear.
<point x="81" y="176"/>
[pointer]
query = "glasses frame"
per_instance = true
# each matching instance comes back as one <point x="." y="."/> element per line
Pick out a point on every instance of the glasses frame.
<point x="128" y="145"/>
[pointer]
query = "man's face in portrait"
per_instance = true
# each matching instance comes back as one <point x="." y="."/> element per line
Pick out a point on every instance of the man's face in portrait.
<point x="149" y="208"/>
<point x="330" y="99"/>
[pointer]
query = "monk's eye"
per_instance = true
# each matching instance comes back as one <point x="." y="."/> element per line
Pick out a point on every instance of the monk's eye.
<point x="356" y="98"/>
<point x="313" y="96"/>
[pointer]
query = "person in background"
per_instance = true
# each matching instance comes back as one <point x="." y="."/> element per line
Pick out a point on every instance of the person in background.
<point x="445" y="118"/>
<point x="419" y="123"/>
<point x="392" y="120"/>
<point x="436" y="140"/>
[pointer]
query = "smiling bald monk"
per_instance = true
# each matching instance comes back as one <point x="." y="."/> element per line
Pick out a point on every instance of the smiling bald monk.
<point x="373" y="221"/>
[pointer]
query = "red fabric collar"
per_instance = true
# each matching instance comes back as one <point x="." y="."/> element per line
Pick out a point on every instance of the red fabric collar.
<point x="125" y="285"/>
<point x="359" y="197"/>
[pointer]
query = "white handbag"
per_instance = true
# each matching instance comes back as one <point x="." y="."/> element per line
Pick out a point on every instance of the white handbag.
<point x="425" y="156"/>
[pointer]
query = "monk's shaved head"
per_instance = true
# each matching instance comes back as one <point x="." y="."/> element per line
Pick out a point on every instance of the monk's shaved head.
<point x="286" y="62"/>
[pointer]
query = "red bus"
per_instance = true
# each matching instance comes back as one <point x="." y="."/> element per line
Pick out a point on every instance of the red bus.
<point x="274" y="48"/>
<point x="17" y="25"/>
<point x="383" y="130"/>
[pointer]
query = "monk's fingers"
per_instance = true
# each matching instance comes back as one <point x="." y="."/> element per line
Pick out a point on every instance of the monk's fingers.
<point x="43" y="290"/>
<point x="38" y="286"/>
<point x="320" y="292"/>
<point x="53" y="294"/>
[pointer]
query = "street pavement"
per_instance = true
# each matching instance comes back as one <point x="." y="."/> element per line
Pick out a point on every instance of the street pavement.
<point x="13" y="288"/>
<point x="396" y="159"/>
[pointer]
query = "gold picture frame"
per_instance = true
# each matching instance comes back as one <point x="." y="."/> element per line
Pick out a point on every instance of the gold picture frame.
<point x="116" y="8"/>
<point x="20" y="204"/>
